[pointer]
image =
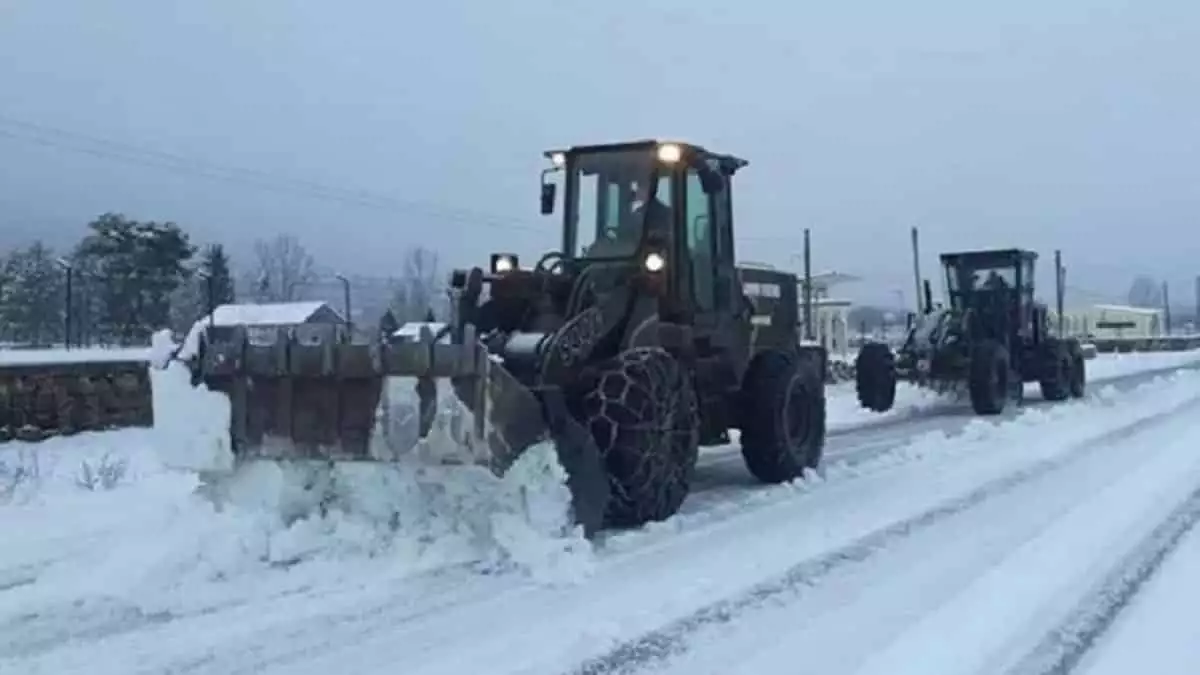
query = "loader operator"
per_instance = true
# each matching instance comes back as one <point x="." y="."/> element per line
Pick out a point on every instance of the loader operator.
<point x="623" y="240"/>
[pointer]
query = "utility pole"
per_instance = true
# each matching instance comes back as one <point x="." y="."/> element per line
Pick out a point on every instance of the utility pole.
<point x="1166" y="308"/>
<point x="1196" y="318"/>
<point x="70" y="272"/>
<point x="210" y="296"/>
<point x="1060" y="284"/>
<point x="808" y="289"/>
<point x="916" y="253"/>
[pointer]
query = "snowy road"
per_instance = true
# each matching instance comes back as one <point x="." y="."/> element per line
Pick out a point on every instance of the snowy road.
<point x="940" y="544"/>
<point x="1159" y="632"/>
<point x="960" y="589"/>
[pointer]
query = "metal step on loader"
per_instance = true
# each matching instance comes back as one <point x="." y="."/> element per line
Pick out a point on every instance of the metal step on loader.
<point x="634" y="344"/>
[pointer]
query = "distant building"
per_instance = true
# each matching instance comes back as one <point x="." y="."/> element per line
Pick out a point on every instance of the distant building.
<point x="1111" y="321"/>
<point x="274" y="314"/>
<point x="269" y="315"/>
<point x="831" y="315"/>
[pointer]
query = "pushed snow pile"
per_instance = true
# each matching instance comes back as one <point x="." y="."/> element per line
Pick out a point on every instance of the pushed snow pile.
<point x="282" y="527"/>
<point x="191" y="423"/>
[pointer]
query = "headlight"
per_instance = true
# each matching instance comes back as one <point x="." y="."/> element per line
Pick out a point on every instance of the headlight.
<point x="502" y="263"/>
<point x="669" y="153"/>
<point x="558" y="159"/>
<point x="654" y="262"/>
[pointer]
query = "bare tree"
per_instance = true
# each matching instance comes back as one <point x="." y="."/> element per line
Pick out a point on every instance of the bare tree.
<point x="418" y="290"/>
<point x="282" y="269"/>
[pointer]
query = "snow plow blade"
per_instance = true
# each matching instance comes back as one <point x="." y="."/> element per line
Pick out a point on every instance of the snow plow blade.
<point x="313" y="392"/>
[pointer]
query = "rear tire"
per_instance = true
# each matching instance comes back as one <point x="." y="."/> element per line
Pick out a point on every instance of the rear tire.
<point x="1055" y="370"/>
<point x="988" y="379"/>
<point x="783" y="419"/>
<point x="875" y="377"/>
<point x="640" y="409"/>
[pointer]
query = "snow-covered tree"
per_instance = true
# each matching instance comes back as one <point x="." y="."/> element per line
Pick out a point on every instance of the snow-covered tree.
<point x="33" y="296"/>
<point x="137" y="268"/>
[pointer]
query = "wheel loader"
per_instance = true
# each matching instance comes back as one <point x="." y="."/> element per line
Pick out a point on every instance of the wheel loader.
<point x="631" y="346"/>
<point x="987" y="340"/>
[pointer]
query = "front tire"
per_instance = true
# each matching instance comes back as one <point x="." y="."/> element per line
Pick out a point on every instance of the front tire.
<point x="640" y="408"/>
<point x="783" y="419"/>
<point x="988" y="378"/>
<point x="875" y="377"/>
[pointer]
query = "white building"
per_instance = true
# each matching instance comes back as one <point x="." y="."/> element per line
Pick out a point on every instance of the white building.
<point x="1111" y="321"/>
<point x="831" y="315"/>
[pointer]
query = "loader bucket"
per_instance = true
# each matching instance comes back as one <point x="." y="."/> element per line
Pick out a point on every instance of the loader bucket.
<point x="317" y="392"/>
<point x="312" y="392"/>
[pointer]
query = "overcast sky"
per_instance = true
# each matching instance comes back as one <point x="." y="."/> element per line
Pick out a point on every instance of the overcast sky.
<point x="1069" y="124"/>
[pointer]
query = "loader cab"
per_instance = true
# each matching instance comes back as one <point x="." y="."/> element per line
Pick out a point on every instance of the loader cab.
<point x="994" y="290"/>
<point x="657" y="211"/>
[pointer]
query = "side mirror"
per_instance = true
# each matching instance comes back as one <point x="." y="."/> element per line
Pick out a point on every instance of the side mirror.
<point x="549" y="191"/>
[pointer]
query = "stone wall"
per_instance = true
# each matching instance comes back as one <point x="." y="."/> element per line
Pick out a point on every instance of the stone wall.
<point x="39" y="400"/>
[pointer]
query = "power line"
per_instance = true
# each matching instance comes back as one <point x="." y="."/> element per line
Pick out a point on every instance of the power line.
<point x="138" y="155"/>
<point x="61" y="139"/>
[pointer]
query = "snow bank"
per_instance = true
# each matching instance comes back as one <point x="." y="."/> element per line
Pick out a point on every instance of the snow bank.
<point x="84" y="355"/>
<point x="1106" y="366"/>
<point x="843" y="410"/>
<point x="321" y="524"/>
<point x="154" y="547"/>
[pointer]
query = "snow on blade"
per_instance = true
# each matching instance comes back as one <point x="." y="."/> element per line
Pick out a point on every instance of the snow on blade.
<point x="411" y="514"/>
<point x="191" y="423"/>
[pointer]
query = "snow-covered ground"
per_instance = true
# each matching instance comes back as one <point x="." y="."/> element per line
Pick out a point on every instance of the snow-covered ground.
<point x="937" y="544"/>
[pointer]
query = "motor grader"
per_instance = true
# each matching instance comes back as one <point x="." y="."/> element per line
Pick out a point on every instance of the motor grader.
<point x="987" y="340"/>
<point x="629" y="348"/>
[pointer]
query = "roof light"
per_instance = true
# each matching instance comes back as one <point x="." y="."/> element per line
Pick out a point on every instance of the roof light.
<point x="669" y="153"/>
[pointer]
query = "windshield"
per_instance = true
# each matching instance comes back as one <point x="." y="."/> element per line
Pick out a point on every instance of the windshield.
<point x="964" y="278"/>
<point x="616" y="194"/>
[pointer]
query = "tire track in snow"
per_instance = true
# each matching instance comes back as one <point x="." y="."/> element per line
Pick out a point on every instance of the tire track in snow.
<point x="1064" y="647"/>
<point x="672" y="639"/>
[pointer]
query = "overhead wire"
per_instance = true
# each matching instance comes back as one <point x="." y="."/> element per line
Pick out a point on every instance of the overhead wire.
<point x="14" y="129"/>
<point x="61" y="139"/>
